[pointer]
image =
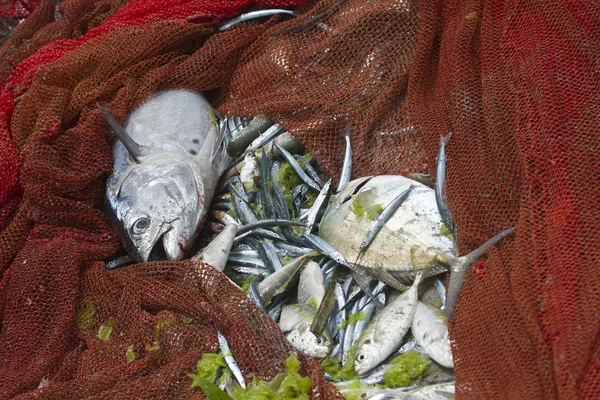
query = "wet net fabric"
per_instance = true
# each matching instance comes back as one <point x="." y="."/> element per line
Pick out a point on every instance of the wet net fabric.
<point x="517" y="84"/>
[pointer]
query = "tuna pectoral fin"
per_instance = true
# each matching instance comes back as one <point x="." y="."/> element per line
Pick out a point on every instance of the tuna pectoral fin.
<point x="132" y="147"/>
<point x="459" y="270"/>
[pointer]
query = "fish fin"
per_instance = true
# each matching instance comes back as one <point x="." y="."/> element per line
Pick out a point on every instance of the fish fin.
<point x="219" y="157"/>
<point x="389" y="279"/>
<point x="347" y="134"/>
<point x="445" y="139"/>
<point x="460" y="268"/>
<point x="364" y="286"/>
<point x="132" y="147"/>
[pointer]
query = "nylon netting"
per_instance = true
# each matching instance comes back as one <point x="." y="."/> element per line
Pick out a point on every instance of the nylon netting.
<point x="516" y="84"/>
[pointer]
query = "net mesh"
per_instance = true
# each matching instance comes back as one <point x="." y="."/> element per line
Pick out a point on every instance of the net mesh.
<point x="515" y="82"/>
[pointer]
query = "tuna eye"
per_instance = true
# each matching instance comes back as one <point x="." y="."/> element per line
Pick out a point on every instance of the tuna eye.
<point x="141" y="225"/>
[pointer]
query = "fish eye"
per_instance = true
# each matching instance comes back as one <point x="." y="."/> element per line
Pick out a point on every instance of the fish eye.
<point x="141" y="225"/>
<point x="361" y="357"/>
<point x="319" y="341"/>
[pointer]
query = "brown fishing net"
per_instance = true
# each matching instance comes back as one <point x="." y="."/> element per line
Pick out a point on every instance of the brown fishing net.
<point x="515" y="82"/>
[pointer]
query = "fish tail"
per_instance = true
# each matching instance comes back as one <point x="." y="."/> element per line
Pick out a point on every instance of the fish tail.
<point x="459" y="270"/>
<point x="347" y="133"/>
<point x="445" y="139"/>
<point x="419" y="277"/>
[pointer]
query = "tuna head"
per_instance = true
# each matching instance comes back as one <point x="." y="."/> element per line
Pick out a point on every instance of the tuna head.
<point x="156" y="210"/>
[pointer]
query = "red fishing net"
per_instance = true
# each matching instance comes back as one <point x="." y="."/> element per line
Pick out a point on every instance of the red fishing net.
<point x="516" y="84"/>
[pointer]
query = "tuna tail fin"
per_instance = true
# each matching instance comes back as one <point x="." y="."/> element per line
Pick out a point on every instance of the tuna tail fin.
<point x="459" y="270"/>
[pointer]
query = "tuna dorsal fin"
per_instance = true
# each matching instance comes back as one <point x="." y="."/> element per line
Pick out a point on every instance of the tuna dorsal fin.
<point x="132" y="147"/>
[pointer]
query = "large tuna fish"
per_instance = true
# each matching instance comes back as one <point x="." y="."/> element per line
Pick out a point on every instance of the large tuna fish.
<point x="167" y="161"/>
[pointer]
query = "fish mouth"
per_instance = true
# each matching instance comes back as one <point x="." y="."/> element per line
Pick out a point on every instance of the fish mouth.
<point x="159" y="252"/>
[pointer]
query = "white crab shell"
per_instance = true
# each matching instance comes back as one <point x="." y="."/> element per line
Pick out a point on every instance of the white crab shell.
<point x="412" y="239"/>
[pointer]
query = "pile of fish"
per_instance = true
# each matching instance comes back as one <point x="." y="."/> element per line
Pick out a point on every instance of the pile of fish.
<point x="353" y="275"/>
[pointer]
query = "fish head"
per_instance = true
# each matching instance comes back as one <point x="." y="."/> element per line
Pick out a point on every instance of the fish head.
<point x="367" y="357"/>
<point x="309" y="343"/>
<point x="157" y="209"/>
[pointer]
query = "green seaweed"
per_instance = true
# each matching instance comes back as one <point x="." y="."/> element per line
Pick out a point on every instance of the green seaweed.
<point x="298" y="229"/>
<point x="289" y="385"/>
<point x="257" y="208"/>
<point x="246" y="283"/>
<point x="212" y="391"/>
<point x="356" y="207"/>
<point x="333" y="366"/>
<point x="213" y="117"/>
<point x="360" y="211"/>
<point x="106" y="329"/>
<point x="444" y="231"/>
<point x="160" y="327"/>
<point x="405" y="369"/>
<point x="310" y="200"/>
<point x="352" y="319"/>
<point x="257" y="390"/>
<point x="209" y="364"/>
<point x="86" y="316"/>
<point x="187" y="320"/>
<point x="313" y="303"/>
<point x="250" y="187"/>
<point x="287" y="179"/>
<point x="129" y="354"/>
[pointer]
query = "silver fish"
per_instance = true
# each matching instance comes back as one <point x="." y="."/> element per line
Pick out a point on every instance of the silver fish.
<point x="347" y="164"/>
<point x="295" y="321"/>
<point x="167" y="161"/>
<point x="385" y="333"/>
<point x="430" y="329"/>
<point x="440" y="186"/>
